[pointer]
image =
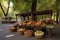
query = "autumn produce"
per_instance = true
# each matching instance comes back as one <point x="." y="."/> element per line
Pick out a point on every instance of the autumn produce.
<point x="20" y="31"/>
<point x="38" y="34"/>
<point x="12" y="29"/>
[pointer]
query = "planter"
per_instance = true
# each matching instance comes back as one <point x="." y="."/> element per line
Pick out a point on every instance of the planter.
<point x="39" y="34"/>
<point x="12" y="29"/>
<point x="28" y="33"/>
<point x="20" y="31"/>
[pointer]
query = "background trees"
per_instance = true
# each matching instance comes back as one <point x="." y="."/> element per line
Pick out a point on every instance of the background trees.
<point x="7" y="7"/>
<point x="20" y="6"/>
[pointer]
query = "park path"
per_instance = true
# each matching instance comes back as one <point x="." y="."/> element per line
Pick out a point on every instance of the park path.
<point x="4" y="31"/>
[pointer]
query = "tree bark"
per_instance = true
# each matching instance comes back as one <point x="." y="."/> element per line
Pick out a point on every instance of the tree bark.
<point x="34" y="2"/>
<point x="8" y="8"/>
<point x="57" y="11"/>
<point x="5" y="14"/>
<point x="2" y="9"/>
<point x="33" y="8"/>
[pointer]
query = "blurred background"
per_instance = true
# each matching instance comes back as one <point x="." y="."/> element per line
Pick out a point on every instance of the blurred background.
<point x="9" y="8"/>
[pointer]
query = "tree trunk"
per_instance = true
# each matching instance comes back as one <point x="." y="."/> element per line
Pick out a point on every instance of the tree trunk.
<point x="8" y="8"/>
<point x="5" y="14"/>
<point x="57" y="11"/>
<point x="57" y="15"/>
<point x="33" y="9"/>
<point x="2" y="9"/>
<point x="34" y="2"/>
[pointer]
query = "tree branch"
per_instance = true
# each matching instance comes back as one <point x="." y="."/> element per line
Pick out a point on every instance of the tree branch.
<point x="8" y="8"/>
<point x="2" y="9"/>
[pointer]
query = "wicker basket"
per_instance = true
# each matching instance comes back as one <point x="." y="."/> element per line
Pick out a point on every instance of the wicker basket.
<point x="28" y="33"/>
<point x="20" y="31"/>
<point x="39" y="35"/>
<point x="12" y="29"/>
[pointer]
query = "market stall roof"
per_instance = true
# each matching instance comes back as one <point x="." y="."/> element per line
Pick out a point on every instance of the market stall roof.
<point x="35" y="13"/>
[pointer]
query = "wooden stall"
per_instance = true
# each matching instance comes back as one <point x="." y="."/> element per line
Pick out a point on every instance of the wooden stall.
<point x="32" y="26"/>
<point x="33" y="18"/>
<point x="34" y="14"/>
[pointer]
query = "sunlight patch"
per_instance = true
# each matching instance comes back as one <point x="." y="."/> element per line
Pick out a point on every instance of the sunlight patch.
<point x="9" y="36"/>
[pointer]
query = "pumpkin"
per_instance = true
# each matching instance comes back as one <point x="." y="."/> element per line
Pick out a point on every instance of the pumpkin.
<point x="38" y="23"/>
<point x="29" y="23"/>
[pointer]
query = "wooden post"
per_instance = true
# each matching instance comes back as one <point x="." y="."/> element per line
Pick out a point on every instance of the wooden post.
<point x="16" y="18"/>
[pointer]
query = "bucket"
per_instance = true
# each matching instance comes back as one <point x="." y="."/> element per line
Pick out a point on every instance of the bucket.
<point x="28" y="33"/>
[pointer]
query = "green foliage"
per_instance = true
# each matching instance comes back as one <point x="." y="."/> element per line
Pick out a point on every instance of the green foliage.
<point x="1" y="13"/>
<point x="21" y="6"/>
<point x="45" y="5"/>
<point x="25" y="5"/>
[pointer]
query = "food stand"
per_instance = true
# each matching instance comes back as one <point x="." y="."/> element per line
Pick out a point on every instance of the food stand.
<point x="32" y="23"/>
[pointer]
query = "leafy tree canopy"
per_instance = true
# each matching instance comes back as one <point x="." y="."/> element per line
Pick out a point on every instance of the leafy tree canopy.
<point x="20" y="6"/>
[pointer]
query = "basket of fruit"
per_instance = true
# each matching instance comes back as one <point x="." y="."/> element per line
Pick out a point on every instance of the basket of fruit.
<point x="12" y="29"/>
<point x="28" y="33"/>
<point x="20" y="31"/>
<point x="38" y="34"/>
